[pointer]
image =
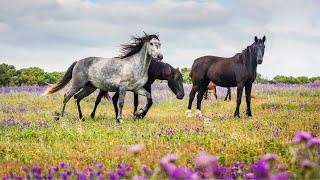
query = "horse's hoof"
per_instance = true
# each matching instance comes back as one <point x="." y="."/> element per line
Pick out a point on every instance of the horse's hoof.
<point x="92" y="116"/>
<point x="119" y="120"/>
<point x="56" y="116"/>
<point x="249" y="114"/>
<point x="188" y="113"/>
<point x="198" y="113"/>
<point x="237" y="116"/>
<point x="139" y="114"/>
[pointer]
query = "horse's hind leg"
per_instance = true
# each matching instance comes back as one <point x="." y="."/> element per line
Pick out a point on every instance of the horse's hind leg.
<point x="192" y="94"/>
<point x="115" y="98"/>
<point x="122" y="94"/>
<point x="228" y="94"/>
<point x="135" y="102"/>
<point x="97" y="102"/>
<point x="86" y="91"/>
<point x="67" y="97"/>
<point x="201" y="92"/>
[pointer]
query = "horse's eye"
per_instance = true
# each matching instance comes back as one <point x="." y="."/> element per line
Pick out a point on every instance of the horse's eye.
<point x="151" y="44"/>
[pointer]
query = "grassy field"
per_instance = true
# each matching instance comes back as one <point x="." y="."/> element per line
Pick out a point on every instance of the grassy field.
<point x="29" y="135"/>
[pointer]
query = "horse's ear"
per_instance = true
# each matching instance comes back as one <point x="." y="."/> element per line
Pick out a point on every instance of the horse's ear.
<point x="158" y="34"/>
<point x="255" y="39"/>
<point x="264" y="39"/>
<point x="145" y="33"/>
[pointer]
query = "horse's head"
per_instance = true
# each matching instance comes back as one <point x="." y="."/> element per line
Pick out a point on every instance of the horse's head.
<point x="258" y="49"/>
<point x="175" y="82"/>
<point x="154" y="47"/>
<point x="151" y="42"/>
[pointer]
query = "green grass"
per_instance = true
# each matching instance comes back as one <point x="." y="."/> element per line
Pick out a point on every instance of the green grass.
<point x="276" y="117"/>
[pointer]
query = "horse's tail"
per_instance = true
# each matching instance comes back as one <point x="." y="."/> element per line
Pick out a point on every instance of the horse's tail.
<point x="63" y="82"/>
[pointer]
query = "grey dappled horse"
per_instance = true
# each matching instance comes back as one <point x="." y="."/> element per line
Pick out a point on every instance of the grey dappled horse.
<point x="127" y="72"/>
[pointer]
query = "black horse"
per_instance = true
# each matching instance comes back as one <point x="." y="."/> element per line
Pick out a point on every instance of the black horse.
<point x="157" y="70"/>
<point x="239" y="70"/>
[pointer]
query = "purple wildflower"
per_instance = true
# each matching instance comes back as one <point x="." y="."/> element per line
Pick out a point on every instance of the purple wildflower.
<point x="170" y="158"/>
<point x="139" y="178"/>
<point x="204" y="159"/>
<point x="122" y="172"/>
<point x="181" y="173"/>
<point x="55" y="169"/>
<point x="280" y="176"/>
<point x="168" y="167"/>
<point x="63" y="165"/>
<point x="306" y="164"/>
<point x="249" y="176"/>
<point x="302" y="136"/>
<point x="64" y="175"/>
<point x="147" y="171"/>
<point x="314" y="142"/>
<point x="260" y="169"/>
<point x="270" y="157"/>
<point x="282" y="167"/>
<point x="81" y="176"/>
<point x="112" y="176"/>
<point x="136" y="148"/>
<point x="37" y="170"/>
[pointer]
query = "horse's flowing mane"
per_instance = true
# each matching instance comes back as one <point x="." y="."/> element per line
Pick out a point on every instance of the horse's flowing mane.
<point x="135" y="45"/>
<point x="247" y="53"/>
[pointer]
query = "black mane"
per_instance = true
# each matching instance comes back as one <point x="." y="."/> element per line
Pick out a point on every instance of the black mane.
<point x="135" y="45"/>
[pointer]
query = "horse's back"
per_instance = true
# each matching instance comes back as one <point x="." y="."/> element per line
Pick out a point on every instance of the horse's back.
<point x="216" y="69"/>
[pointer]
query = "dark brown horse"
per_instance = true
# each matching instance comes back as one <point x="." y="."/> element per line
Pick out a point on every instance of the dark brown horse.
<point x="157" y="70"/>
<point x="238" y="71"/>
<point x="213" y="86"/>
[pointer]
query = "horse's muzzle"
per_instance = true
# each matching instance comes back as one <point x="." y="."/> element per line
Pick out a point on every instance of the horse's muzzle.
<point x="159" y="57"/>
<point x="180" y="96"/>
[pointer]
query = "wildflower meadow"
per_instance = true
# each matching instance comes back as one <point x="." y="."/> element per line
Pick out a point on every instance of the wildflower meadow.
<point x="280" y="141"/>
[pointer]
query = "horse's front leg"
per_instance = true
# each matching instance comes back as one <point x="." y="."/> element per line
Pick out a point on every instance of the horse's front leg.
<point x="239" y="95"/>
<point x="122" y="94"/>
<point x="141" y="113"/>
<point x="248" y="88"/>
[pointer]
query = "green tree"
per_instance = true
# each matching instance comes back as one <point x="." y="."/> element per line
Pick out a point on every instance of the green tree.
<point x="31" y="76"/>
<point x="260" y="79"/>
<point x="53" y="77"/>
<point x="185" y="73"/>
<point x="7" y="74"/>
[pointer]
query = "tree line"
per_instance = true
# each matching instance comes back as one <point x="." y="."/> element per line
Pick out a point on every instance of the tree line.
<point x="10" y="76"/>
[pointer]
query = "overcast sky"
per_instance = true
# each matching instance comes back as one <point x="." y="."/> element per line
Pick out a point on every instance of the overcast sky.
<point x="51" y="34"/>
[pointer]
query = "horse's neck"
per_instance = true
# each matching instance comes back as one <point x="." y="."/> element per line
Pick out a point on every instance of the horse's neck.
<point x="156" y="71"/>
<point x="251" y="63"/>
<point x="142" y="61"/>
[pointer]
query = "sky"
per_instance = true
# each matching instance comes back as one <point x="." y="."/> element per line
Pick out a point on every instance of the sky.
<point x="51" y="34"/>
